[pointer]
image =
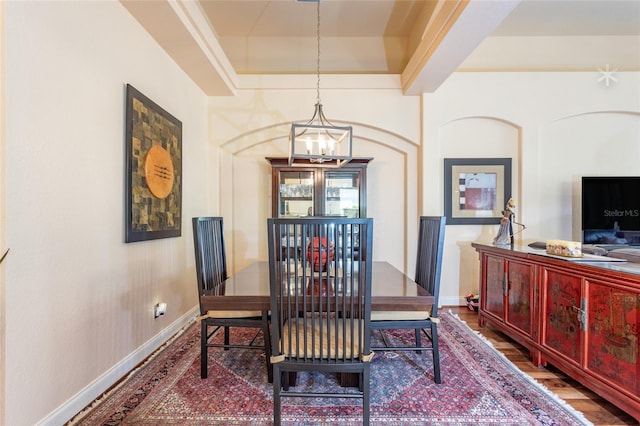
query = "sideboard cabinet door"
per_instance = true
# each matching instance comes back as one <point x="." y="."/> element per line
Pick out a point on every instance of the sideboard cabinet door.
<point x="492" y="302"/>
<point x="561" y="313"/>
<point x="520" y="296"/>
<point x="613" y="317"/>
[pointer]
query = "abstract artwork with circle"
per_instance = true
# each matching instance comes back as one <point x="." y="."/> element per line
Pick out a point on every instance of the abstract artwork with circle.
<point x="153" y="171"/>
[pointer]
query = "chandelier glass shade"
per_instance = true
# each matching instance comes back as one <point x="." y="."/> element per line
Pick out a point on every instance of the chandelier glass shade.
<point x="318" y="141"/>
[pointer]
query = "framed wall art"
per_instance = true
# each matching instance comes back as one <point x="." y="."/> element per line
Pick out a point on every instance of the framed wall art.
<point x="153" y="170"/>
<point x="476" y="189"/>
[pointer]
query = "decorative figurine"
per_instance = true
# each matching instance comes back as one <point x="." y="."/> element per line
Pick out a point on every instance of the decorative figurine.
<point x="503" y="238"/>
<point x="505" y="231"/>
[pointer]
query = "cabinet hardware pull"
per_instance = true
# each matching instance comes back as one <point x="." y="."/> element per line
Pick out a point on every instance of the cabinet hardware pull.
<point x="581" y="314"/>
<point x="505" y="284"/>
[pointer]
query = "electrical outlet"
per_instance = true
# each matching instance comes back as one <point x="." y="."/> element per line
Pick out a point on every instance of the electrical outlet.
<point x="159" y="310"/>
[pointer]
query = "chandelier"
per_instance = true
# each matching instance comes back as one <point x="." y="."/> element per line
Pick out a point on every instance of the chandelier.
<point x="318" y="141"/>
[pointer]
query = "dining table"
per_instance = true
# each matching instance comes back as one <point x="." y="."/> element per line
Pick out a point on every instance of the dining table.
<point x="248" y="289"/>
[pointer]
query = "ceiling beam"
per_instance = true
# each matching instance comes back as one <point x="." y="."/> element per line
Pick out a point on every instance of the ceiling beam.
<point x="182" y="30"/>
<point x="454" y="31"/>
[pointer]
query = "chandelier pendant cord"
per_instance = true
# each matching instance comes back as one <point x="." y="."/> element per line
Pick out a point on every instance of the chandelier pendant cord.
<point x="318" y="101"/>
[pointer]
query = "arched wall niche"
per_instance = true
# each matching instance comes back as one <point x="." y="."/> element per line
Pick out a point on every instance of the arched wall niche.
<point x="245" y="191"/>
<point x="483" y="137"/>
<point x="606" y="143"/>
<point x="473" y="137"/>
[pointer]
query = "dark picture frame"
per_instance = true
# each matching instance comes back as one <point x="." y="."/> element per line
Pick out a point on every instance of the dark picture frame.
<point x="476" y="190"/>
<point x="153" y="170"/>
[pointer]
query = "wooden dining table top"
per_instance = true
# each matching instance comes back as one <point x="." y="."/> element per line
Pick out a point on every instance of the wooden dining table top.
<point x="248" y="289"/>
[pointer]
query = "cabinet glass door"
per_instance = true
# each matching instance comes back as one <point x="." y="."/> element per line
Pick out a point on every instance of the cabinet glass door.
<point x="342" y="193"/>
<point x="296" y="195"/>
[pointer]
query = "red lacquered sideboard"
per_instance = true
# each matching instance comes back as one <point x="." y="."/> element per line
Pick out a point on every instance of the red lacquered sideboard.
<point x="580" y="315"/>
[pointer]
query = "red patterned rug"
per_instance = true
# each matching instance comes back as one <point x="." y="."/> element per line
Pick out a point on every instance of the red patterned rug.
<point x="480" y="386"/>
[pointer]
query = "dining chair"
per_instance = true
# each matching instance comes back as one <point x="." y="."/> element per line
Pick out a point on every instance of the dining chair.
<point x="211" y="269"/>
<point x="320" y="290"/>
<point x="428" y="272"/>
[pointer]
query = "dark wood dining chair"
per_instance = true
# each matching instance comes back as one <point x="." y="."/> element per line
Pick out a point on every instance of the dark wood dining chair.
<point x="211" y="269"/>
<point x="320" y="305"/>
<point x="428" y="272"/>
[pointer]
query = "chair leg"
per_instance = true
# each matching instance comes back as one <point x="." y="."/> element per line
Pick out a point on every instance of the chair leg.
<point x="267" y="346"/>
<point x="418" y="340"/>
<point x="366" y="395"/>
<point x="285" y="380"/>
<point x="436" y="354"/>
<point x="226" y="338"/>
<point x="203" y="349"/>
<point x="277" y="376"/>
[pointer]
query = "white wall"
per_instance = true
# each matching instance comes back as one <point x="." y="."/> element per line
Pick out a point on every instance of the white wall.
<point x="79" y="300"/>
<point x="556" y="127"/>
<point x="2" y="208"/>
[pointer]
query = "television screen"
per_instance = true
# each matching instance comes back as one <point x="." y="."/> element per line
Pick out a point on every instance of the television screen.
<point x="611" y="210"/>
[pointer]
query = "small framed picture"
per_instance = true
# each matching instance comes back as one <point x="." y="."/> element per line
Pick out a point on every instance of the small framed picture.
<point x="476" y="190"/>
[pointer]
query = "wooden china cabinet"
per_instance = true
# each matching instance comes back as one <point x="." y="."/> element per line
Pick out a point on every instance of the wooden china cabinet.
<point x="313" y="190"/>
<point x="580" y="315"/>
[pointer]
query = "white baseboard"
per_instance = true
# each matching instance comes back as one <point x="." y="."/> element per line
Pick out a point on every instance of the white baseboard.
<point x="86" y="396"/>
<point x="453" y="301"/>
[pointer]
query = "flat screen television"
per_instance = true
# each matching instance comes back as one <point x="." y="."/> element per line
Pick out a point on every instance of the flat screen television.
<point x="611" y="210"/>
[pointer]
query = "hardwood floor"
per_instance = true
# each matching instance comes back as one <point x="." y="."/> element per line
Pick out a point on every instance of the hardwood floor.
<point x="597" y="410"/>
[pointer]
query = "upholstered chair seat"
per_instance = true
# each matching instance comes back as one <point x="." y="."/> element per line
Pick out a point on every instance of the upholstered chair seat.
<point x="233" y="314"/>
<point x="313" y="336"/>
<point x="400" y="315"/>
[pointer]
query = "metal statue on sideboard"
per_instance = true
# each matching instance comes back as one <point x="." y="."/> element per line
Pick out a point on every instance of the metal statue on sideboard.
<point x="505" y="231"/>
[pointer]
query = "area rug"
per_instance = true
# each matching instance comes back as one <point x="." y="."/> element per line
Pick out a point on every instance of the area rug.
<point x="479" y="386"/>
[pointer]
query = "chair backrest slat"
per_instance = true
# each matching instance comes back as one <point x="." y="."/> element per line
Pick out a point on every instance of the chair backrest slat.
<point x="429" y="256"/>
<point x="320" y="288"/>
<point x="209" y="246"/>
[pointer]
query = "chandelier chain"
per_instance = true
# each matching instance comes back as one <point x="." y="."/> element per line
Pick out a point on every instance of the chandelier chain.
<point x="318" y="57"/>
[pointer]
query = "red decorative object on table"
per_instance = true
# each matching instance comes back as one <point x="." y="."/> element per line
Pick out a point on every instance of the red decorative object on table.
<point x="320" y="286"/>
<point x="317" y="251"/>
